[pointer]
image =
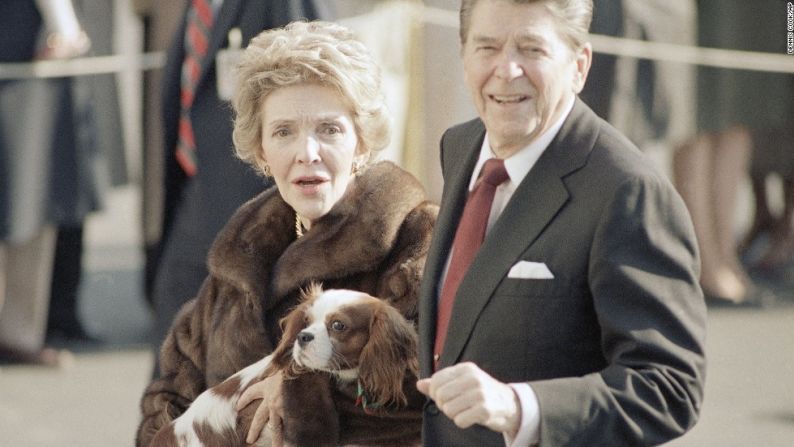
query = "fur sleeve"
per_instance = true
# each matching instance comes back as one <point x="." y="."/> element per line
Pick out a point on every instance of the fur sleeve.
<point x="182" y="376"/>
<point x="401" y="278"/>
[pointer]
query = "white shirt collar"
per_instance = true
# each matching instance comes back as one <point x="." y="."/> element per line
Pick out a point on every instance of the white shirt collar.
<point x="519" y="164"/>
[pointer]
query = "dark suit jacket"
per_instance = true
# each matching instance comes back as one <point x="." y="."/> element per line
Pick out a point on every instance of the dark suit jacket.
<point x="613" y="346"/>
<point x="225" y="182"/>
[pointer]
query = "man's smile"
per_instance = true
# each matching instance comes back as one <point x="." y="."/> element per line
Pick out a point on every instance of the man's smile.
<point x="508" y="99"/>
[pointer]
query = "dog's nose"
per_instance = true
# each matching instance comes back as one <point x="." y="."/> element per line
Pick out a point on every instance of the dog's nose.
<point x="304" y="338"/>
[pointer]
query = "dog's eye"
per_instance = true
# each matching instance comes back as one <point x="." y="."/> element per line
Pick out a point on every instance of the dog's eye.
<point x="338" y="326"/>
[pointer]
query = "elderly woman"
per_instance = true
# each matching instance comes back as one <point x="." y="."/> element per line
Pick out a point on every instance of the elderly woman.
<point x="309" y="113"/>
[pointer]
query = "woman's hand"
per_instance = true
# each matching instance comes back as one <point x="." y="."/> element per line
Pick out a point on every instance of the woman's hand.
<point x="270" y="409"/>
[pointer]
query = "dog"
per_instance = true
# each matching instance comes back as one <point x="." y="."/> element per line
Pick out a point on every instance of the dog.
<point x="340" y="348"/>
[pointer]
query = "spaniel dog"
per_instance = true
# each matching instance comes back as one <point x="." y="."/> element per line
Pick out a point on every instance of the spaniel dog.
<point x="340" y="348"/>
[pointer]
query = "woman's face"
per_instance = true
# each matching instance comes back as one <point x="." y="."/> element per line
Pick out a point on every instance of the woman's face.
<point x="310" y="143"/>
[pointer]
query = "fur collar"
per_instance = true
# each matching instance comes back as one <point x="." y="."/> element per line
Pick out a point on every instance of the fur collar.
<point x="258" y="253"/>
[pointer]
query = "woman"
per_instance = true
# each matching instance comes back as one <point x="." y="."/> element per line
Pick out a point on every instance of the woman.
<point x="732" y="106"/>
<point x="309" y="113"/>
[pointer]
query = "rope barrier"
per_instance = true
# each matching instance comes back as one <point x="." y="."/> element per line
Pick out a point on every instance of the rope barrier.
<point x="82" y="66"/>
<point x="710" y="57"/>
<point x="659" y="51"/>
<point x="616" y="46"/>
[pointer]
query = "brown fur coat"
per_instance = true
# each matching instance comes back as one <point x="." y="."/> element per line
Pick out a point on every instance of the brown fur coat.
<point x="374" y="239"/>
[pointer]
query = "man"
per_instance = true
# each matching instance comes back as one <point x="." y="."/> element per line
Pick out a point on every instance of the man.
<point x="579" y="320"/>
<point x="205" y="183"/>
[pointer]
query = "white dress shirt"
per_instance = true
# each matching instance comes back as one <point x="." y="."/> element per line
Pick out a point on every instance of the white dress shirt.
<point x="517" y="166"/>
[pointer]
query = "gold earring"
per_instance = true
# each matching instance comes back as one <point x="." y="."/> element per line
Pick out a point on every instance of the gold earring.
<point x="266" y="170"/>
<point x="356" y="168"/>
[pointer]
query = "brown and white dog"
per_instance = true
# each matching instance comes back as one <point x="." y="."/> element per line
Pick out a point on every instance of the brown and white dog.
<point x="337" y="344"/>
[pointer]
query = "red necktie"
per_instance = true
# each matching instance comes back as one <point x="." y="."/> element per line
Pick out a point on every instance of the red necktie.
<point x="468" y="238"/>
<point x="199" y="25"/>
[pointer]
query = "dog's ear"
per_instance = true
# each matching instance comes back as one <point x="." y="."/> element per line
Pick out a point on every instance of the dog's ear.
<point x="312" y="291"/>
<point x="291" y="325"/>
<point x="387" y="356"/>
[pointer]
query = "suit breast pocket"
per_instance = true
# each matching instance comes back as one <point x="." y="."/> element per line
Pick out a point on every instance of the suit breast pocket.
<point x="523" y="319"/>
<point x="532" y="288"/>
<point x="543" y="305"/>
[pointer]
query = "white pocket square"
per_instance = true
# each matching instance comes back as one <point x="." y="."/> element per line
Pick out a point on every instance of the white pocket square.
<point x="530" y="270"/>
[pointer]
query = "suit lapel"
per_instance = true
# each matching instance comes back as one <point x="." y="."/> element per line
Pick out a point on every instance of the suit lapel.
<point x="533" y="206"/>
<point x="454" y="196"/>
<point x="465" y="150"/>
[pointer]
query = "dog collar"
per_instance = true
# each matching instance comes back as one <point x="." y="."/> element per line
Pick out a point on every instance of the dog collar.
<point x="361" y="399"/>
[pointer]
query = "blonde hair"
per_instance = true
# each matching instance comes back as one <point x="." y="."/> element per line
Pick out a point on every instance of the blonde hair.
<point x="572" y="16"/>
<point x="308" y="53"/>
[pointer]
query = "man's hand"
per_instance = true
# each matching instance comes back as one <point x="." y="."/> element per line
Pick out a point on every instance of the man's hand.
<point x="270" y="409"/>
<point x="468" y="396"/>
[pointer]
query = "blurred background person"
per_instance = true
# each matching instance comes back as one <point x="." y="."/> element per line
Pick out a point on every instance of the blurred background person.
<point x="651" y="101"/>
<point x="203" y="181"/>
<point x="654" y="102"/>
<point x="598" y="92"/>
<point x="160" y="20"/>
<point x="46" y="168"/>
<point x="731" y="104"/>
<point x="99" y="164"/>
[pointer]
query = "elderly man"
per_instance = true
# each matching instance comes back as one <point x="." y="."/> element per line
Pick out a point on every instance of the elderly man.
<point x="560" y="302"/>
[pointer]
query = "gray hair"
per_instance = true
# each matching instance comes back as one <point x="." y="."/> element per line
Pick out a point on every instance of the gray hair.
<point x="573" y="18"/>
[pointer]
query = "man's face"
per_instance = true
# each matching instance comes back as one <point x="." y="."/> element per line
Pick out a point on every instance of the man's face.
<point x="520" y="71"/>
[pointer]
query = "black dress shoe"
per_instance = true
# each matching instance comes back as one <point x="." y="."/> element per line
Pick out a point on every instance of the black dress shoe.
<point x="69" y="332"/>
<point x="756" y="297"/>
<point x="73" y="341"/>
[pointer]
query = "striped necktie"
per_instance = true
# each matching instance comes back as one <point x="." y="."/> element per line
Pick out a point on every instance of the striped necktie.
<point x="468" y="238"/>
<point x="199" y="26"/>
